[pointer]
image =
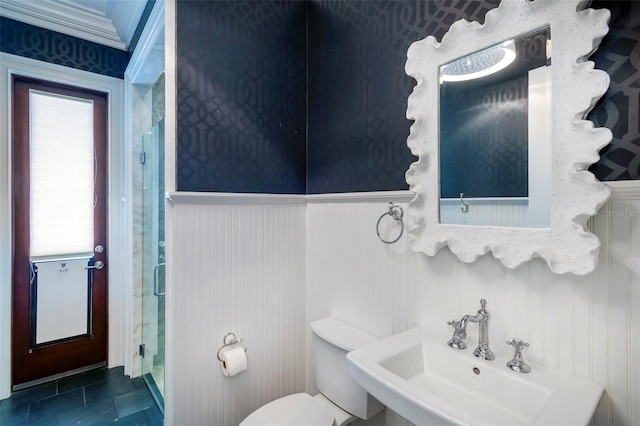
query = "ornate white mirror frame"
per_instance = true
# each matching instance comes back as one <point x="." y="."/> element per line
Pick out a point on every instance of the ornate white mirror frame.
<point x="566" y="245"/>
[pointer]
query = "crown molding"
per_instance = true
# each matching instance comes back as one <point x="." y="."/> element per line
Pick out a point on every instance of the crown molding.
<point x="147" y="61"/>
<point x="74" y="19"/>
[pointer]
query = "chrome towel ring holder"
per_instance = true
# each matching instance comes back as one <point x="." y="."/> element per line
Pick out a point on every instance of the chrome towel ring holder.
<point x="397" y="214"/>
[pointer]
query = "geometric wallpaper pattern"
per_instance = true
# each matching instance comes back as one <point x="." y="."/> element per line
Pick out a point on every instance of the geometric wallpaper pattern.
<point x="41" y="44"/>
<point x="358" y="88"/>
<point x="619" y="110"/>
<point x="242" y="89"/>
<point x="241" y="102"/>
<point x="295" y="97"/>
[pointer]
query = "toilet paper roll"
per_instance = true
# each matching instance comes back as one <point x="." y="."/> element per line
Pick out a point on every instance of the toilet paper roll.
<point x="234" y="361"/>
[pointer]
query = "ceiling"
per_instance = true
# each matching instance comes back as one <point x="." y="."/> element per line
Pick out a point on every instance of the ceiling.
<point x="108" y="22"/>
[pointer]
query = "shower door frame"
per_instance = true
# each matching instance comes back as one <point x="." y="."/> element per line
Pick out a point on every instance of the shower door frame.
<point x="153" y="260"/>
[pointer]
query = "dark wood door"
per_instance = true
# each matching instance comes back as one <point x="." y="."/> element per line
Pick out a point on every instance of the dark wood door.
<point x="34" y="360"/>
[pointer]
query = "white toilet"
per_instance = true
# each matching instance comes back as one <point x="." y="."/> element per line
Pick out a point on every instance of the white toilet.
<point x="341" y="400"/>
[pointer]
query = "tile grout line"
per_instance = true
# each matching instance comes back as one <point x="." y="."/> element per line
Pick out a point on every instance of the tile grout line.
<point x="57" y="387"/>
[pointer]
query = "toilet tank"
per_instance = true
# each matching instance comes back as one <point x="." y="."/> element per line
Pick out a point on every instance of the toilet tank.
<point x="332" y="340"/>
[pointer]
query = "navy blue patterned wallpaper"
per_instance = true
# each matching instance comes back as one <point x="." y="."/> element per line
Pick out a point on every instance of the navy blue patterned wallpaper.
<point x="242" y="91"/>
<point x="241" y="101"/>
<point x="38" y="43"/>
<point x="358" y="89"/>
<point x="619" y="109"/>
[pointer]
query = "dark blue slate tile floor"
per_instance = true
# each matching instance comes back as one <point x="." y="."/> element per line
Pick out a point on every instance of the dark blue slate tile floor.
<point x="97" y="397"/>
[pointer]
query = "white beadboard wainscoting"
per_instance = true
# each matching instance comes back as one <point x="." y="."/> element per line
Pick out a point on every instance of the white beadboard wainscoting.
<point x="237" y="267"/>
<point x="585" y="326"/>
<point x="483" y="212"/>
<point x="265" y="266"/>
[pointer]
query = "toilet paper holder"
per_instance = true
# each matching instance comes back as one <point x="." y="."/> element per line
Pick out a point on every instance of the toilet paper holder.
<point x="229" y="339"/>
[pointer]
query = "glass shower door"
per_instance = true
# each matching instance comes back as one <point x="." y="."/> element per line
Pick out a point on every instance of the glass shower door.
<point x="153" y="271"/>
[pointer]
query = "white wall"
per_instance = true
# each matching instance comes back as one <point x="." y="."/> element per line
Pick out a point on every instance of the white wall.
<point x="117" y="260"/>
<point x="235" y="267"/>
<point x="540" y="148"/>
<point x="485" y="211"/>
<point x="242" y="266"/>
<point x="586" y="326"/>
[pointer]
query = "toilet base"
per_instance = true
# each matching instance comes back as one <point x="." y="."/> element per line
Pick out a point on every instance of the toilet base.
<point x="342" y="418"/>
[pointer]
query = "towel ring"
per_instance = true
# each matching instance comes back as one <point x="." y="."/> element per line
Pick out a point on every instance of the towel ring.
<point x="397" y="214"/>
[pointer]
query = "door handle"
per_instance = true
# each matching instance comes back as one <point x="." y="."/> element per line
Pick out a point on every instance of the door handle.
<point x="156" y="292"/>
<point x="98" y="265"/>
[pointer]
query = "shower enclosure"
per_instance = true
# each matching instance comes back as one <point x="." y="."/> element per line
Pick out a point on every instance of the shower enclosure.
<point x="153" y="258"/>
<point x="145" y="101"/>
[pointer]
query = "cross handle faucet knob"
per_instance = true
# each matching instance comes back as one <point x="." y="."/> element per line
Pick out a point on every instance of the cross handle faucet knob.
<point x="459" y="334"/>
<point x="518" y="364"/>
<point x="517" y="344"/>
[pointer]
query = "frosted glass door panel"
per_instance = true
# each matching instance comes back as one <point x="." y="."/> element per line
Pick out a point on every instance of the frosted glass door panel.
<point x="62" y="301"/>
<point x="62" y="174"/>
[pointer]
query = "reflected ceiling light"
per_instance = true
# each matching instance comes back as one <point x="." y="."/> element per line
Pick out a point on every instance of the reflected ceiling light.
<point x="479" y="64"/>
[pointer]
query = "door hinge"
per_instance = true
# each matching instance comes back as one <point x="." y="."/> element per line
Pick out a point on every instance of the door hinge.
<point x="142" y="157"/>
<point x="141" y="350"/>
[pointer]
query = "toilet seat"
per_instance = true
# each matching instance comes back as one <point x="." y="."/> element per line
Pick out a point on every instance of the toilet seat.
<point x="299" y="409"/>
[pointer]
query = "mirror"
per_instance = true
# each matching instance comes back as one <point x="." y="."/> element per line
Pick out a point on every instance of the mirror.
<point x="495" y="128"/>
<point x="501" y="138"/>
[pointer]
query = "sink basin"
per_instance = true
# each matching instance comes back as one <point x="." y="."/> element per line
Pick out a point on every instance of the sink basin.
<point x="418" y="376"/>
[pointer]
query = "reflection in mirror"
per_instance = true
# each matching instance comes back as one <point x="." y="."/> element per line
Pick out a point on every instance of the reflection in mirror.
<point x="554" y="229"/>
<point x="495" y="134"/>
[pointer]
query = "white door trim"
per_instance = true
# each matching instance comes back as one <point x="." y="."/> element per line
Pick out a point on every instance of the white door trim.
<point x="119" y="205"/>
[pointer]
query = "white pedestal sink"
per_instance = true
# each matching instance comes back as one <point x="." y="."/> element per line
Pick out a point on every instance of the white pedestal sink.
<point x="418" y="376"/>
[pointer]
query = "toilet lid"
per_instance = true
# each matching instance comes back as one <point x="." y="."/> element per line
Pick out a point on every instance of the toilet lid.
<point x="299" y="409"/>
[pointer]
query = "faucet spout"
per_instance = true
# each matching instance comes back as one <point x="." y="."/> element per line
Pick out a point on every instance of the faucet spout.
<point x="482" y="318"/>
<point x="471" y="318"/>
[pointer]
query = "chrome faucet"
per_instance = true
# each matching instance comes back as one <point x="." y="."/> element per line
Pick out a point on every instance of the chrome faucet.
<point x="460" y="332"/>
